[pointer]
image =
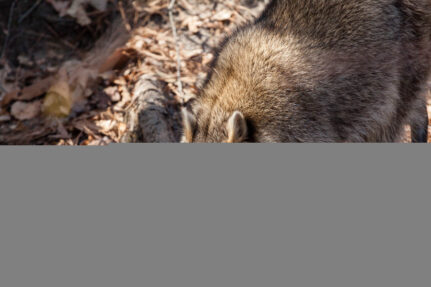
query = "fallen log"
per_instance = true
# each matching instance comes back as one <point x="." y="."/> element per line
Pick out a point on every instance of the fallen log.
<point x="148" y="118"/>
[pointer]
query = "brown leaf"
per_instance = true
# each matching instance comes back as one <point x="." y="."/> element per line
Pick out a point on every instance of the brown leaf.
<point x="60" y="6"/>
<point x="114" y="60"/>
<point x="25" y="111"/>
<point x="222" y="15"/>
<point x="113" y="93"/>
<point x="4" y="118"/>
<point x="58" y="100"/>
<point x="192" y="53"/>
<point x="99" y="4"/>
<point x="30" y="92"/>
<point x="105" y="125"/>
<point x="77" y="10"/>
<point x="80" y="81"/>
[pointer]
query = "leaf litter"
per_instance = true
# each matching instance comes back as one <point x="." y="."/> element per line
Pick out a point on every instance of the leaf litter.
<point x="82" y="99"/>
<point x="67" y="94"/>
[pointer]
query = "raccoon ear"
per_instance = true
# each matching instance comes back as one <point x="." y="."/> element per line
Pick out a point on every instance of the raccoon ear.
<point x="189" y="124"/>
<point x="236" y="128"/>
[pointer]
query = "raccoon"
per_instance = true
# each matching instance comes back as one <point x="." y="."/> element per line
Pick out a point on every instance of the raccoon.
<point x="319" y="71"/>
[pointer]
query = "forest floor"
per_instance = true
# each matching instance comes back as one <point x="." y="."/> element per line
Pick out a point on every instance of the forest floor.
<point x="68" y="67"/>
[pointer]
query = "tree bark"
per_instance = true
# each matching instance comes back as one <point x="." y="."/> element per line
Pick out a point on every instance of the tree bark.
<point x="148" y="118"/>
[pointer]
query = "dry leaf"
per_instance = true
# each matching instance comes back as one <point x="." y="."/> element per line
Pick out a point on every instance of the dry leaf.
<point x="106" y="125"/>
<point x="193" y="24"/>
<point x="58" y="100"/>
<point x="60" y="6"/>
<point x="79" y="82"/>
<point x="77" y="10"/>
<point x="201" y="25"/>
<point x="192" y="53"/>
<point x="25" y="111"/>
<point x="24" y="60"/>
<point x="117" y="58"/>
<point x="222" y="15"/>
<point x="30" y="92"/>
<point x="4" y="118"/>
<point x="113" y="93"/>
<point x="99" y="4"/>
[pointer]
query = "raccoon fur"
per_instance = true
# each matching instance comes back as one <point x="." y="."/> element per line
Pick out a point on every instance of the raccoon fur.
<point x="319" y="71"/>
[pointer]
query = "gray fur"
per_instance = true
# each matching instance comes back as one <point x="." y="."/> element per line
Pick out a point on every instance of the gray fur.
<point x="321" y="71"/>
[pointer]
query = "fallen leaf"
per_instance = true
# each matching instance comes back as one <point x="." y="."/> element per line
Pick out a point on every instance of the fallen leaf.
<point x="4" y="118"/>
<point x="108" y="76"/>
<point x="80" y="80"/>
<point x="122" y="127"/>
<point x="113" y="93"/>
<point x="222" y="15"/>
<point x="99" y="142"/>
<point x="77" y="10"/>
<point x="193" y="24"/>
<point x="207" y="58"/>
<point x="192" y="53"/>
<point x="58" y="100"/>
<point x="99" y="4"/>
<point x="25" y="111"/>
<point x="106" y="125"/>
<point x="30" y="92"/>
<point x="117" y="58"/>
<point x="60" y="6"/>
<point x="61" y="130"/>
<point x="87" y="127"/>
<point x="25" y="61"/>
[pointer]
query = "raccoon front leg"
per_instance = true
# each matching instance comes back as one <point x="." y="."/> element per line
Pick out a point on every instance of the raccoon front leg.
<point x="419" y="122"/>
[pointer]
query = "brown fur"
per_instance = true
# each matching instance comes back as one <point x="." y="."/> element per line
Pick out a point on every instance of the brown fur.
<point x="319" y="71"/>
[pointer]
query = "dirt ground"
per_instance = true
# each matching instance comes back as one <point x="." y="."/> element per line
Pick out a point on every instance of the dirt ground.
<point x="68" y="67"/>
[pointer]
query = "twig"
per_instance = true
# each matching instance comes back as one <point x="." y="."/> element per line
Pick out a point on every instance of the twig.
<point x="123" y="15"/>
<point x="9" y="25"/>
<point x="177" y="48"/>
<point x="26" y="14"/>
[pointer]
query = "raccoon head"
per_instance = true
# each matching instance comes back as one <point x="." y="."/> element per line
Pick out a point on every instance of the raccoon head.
<point x="230" y="128"/>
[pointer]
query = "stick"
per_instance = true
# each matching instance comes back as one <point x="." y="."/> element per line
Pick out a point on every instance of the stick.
<point x="123" y="15"/>
<point x="26" y="14"/>
<point x="177" y="49"/>
<point x="9" y="25"/>
<point x="147" y="118"/>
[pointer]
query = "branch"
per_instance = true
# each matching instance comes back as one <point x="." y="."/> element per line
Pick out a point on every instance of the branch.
<point x="177" y="48"/>
<point x="147" y="118"/>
